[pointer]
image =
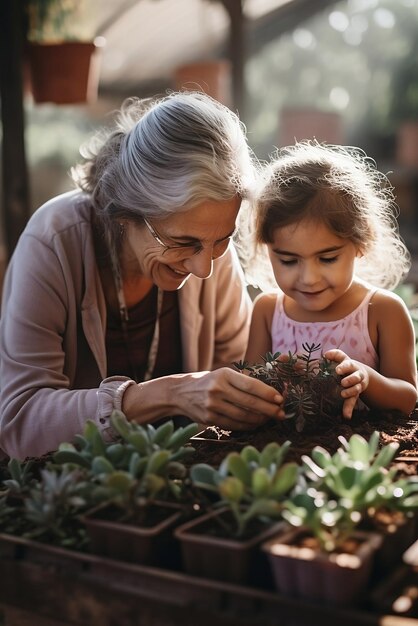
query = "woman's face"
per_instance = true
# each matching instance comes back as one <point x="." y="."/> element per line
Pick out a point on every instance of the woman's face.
<point x="170" y="250"/>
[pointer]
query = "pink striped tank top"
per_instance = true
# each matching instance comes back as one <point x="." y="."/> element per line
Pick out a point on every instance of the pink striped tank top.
<point x="349" y="334"/>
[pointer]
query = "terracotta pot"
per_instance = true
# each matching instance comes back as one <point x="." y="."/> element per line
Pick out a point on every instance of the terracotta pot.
<point x="147" y="545"/>
<point x="211" y="77"/>
<point x="63" y="73"/>
<point x="336" y="579"/>
<point x="407" y="144"/>
<point x="206" y="553"/>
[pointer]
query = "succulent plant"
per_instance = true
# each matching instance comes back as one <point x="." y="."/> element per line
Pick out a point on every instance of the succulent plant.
<point x="310" y="387"/>
<point x="251" y="483"/>
<point x="146" y="463"/>
<point x="336" y="493"/>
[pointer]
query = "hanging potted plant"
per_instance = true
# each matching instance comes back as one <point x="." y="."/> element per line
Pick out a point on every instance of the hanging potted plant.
<point x="62" y="53"/>
<point x="245" y="503"/>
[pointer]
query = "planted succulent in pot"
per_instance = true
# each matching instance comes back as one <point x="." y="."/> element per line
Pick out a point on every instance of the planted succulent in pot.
<point x="247" y="491"/>
<point x="141" y="503"/>
<point x="324" y="557"/>
<point x="310" y="386"/>
<point x="328" y="506"/>
<point x="359" y="476"/>
<point x="53" y="507"/>
<point x="20" y="478"/>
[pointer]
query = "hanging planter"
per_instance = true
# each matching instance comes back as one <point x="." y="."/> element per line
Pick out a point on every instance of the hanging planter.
<point x="64" y="73"/>
<point x="212" y="77"/>
<point x="62" y="55"/>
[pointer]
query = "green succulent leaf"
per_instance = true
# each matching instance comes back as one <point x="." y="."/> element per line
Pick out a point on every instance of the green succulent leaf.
<point x="182" y="435"/>
<point x="157" y="461"/>
<point x="386" y="455"/>
<point x="359" y="449"/>
<point x="250" y="454"/>
<point x="231" y="489"/>
<point x="163" y="433"/>
<point x="321" y="457"/>
<point x="238" y="468"/>
<point x="100" y="465"/>
<point x="120" y="424"/>
<point x="269" y="454"/>
<point x="203" y="475"/>
<point x="260" y="483"/>
<point x="139" y="440"/>
<point x="285" y="479"/>
<point x="68" y="456"/>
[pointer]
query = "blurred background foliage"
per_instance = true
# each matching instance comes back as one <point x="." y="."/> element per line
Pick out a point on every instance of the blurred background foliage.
<point x="356" y="60"/>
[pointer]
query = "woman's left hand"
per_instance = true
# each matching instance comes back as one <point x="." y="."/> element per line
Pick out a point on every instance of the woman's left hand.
<point x="355" y="378"/>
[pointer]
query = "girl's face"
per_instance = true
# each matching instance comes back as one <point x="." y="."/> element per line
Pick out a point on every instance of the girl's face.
<point x="312" y="266"/>
<point x="169" y="251"/>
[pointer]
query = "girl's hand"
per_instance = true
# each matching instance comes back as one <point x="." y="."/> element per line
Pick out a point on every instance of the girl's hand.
<point x="355" y="379"/>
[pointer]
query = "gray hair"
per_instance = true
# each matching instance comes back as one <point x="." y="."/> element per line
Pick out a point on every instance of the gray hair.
<point x="166" y="155"/>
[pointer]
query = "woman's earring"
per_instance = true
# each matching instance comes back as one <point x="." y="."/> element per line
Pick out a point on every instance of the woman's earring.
<point x="121" y="229"/>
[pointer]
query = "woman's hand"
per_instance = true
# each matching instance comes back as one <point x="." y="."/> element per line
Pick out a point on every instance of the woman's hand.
<point x="223" y="397"/>
<point x="355" y="379"/>
<point x="229" y="399"/>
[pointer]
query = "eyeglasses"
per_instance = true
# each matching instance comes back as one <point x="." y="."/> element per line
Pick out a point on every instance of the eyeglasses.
<point x="187" y="250"/>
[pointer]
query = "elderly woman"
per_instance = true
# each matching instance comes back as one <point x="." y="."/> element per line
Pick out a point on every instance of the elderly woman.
<point x="127" y="293"/>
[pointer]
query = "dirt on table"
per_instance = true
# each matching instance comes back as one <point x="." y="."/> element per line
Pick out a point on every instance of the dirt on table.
<point x="213" y="444"/>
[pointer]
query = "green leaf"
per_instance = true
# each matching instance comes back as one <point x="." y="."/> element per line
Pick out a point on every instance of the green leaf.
<point x="203" y="475"/>
<point x="115" y="452"/>
<point x="67" y="456"/>
<point x="119" y="481"/>
<point x="374" y="443"/>
<point x="386" y="455"/>
<point x="153" y="484"/>
<point x="157" y="461"/>
<point x="318" y="472"/>
<point x="238" y="468"/>
<point x="134" y="464"/>
<point x="231" y="489"/>
<point x="182" y="435"/>
<point x="250" y="454"/>
<point x="285" y="479"/>
<point x="163" y="433"/>
<point x="260" y="483"/>
<point x="139" y="440"/>
<point x="321" y="457"/>
<point x="101" y="465"/>
<point x="359" y="449"/>
<point x="263" y="508"/>
<point x="120" y="424"/>
<point x="268" y="454"/>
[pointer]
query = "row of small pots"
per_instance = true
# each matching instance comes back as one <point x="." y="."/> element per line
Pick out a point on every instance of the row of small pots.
<point x="274" y="556"/>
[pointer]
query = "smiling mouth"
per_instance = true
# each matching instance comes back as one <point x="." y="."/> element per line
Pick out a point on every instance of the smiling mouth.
<point x="312" y="293"/>
<point x="181" y="274"/>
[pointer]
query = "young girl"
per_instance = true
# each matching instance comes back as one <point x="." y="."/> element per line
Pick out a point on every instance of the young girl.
<point x="326" y="217"/>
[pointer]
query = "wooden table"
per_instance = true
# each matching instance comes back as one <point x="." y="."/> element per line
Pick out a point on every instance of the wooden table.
<point x="48" y="586"/>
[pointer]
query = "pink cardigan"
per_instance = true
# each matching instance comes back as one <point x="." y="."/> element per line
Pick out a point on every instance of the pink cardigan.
<point x="52" y="330"/>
